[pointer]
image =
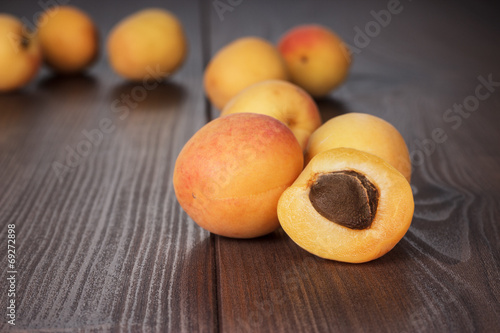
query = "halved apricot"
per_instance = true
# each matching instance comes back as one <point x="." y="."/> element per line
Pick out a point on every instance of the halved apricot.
<point x="347" y="205"/>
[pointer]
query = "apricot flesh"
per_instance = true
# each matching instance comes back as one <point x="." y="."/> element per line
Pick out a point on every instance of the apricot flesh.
<point x="20" y="54"/>
<point x="150" y="44"/>
<point x="282" y="100"/>
<point x="230" y="174"/>
<point x="316" y="58"/>
<point x="363" y="132"/>
<point x="240" y="64"/>
<point x="69" y="39"/>
<point x="328" y="239"/>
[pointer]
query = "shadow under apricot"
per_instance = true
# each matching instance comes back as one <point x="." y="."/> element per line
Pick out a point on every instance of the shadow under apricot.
<point x="69" y="85"/>
<point x="159" y="96"/>
<point x="330" y="107"/>
<point x="18" y="101"/>
<point x="287" y="277"/>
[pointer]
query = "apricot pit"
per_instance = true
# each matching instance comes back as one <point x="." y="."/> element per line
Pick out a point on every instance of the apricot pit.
<point x="346" y="197"/>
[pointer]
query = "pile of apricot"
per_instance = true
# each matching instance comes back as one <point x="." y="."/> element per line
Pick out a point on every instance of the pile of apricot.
<point x="243" y="172"/>
<point x="311" y="56"/>
<point x="149" y="44"/>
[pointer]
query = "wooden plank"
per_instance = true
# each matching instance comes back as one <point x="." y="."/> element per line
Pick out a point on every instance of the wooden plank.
<point x="444" y="275"/>
<point x="105" y="246"/>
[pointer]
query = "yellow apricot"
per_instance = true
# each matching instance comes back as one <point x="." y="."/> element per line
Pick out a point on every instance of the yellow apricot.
<point x="148" y="44"/>
<point x="239" y="65"/>
<point x="20" y="54"/>
<point x="363" y="132"/>
<point x="282" y="100"/>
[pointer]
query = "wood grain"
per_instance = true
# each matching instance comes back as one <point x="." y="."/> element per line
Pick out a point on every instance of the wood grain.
<point x="105" y="247"/>
<point x="444" y="275"/>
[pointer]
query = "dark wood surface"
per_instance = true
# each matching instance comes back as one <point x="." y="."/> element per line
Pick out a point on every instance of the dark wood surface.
<point x="104" y="246"/>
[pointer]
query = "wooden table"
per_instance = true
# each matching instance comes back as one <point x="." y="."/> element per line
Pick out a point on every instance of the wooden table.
<point x="102" y="244"/>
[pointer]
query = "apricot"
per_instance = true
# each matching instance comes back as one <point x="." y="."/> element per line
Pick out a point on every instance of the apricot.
<point x="316" y="58"/>
<point x="69" y="39"/>
<point x="20" y="54"/>
<point x="347" y="205"/>
<point x="230" y="174"/>
<point x="282" y="100"/>
<point x="363" y="132"/>
<point x="239" y="65"/>
<point x="148" y="44"/>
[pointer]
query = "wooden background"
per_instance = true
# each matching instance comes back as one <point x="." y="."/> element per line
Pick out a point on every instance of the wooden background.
<point x="104" y="246"/>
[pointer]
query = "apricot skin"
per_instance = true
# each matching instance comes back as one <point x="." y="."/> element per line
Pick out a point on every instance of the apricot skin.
<point x="316" y="58"/>
<point x="69" y="39"/>
<point x="18" y="63"/>
<point x="363" y="132"/>
<point x="230" y="174"/>
<point x="282" y="100"/>
<point x="148" y="44"/>
<point x="240" y="64"/>
<point x="330" y="240"/>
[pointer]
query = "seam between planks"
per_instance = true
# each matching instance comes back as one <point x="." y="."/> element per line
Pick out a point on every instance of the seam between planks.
<point x="205" y="21"/>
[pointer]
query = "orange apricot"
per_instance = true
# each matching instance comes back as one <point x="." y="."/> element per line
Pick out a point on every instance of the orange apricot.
<point x="230" y="174"/>
<point x="20" y="54"/>
<point x="316" y="58"/>
<point x="69" y="39"/>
